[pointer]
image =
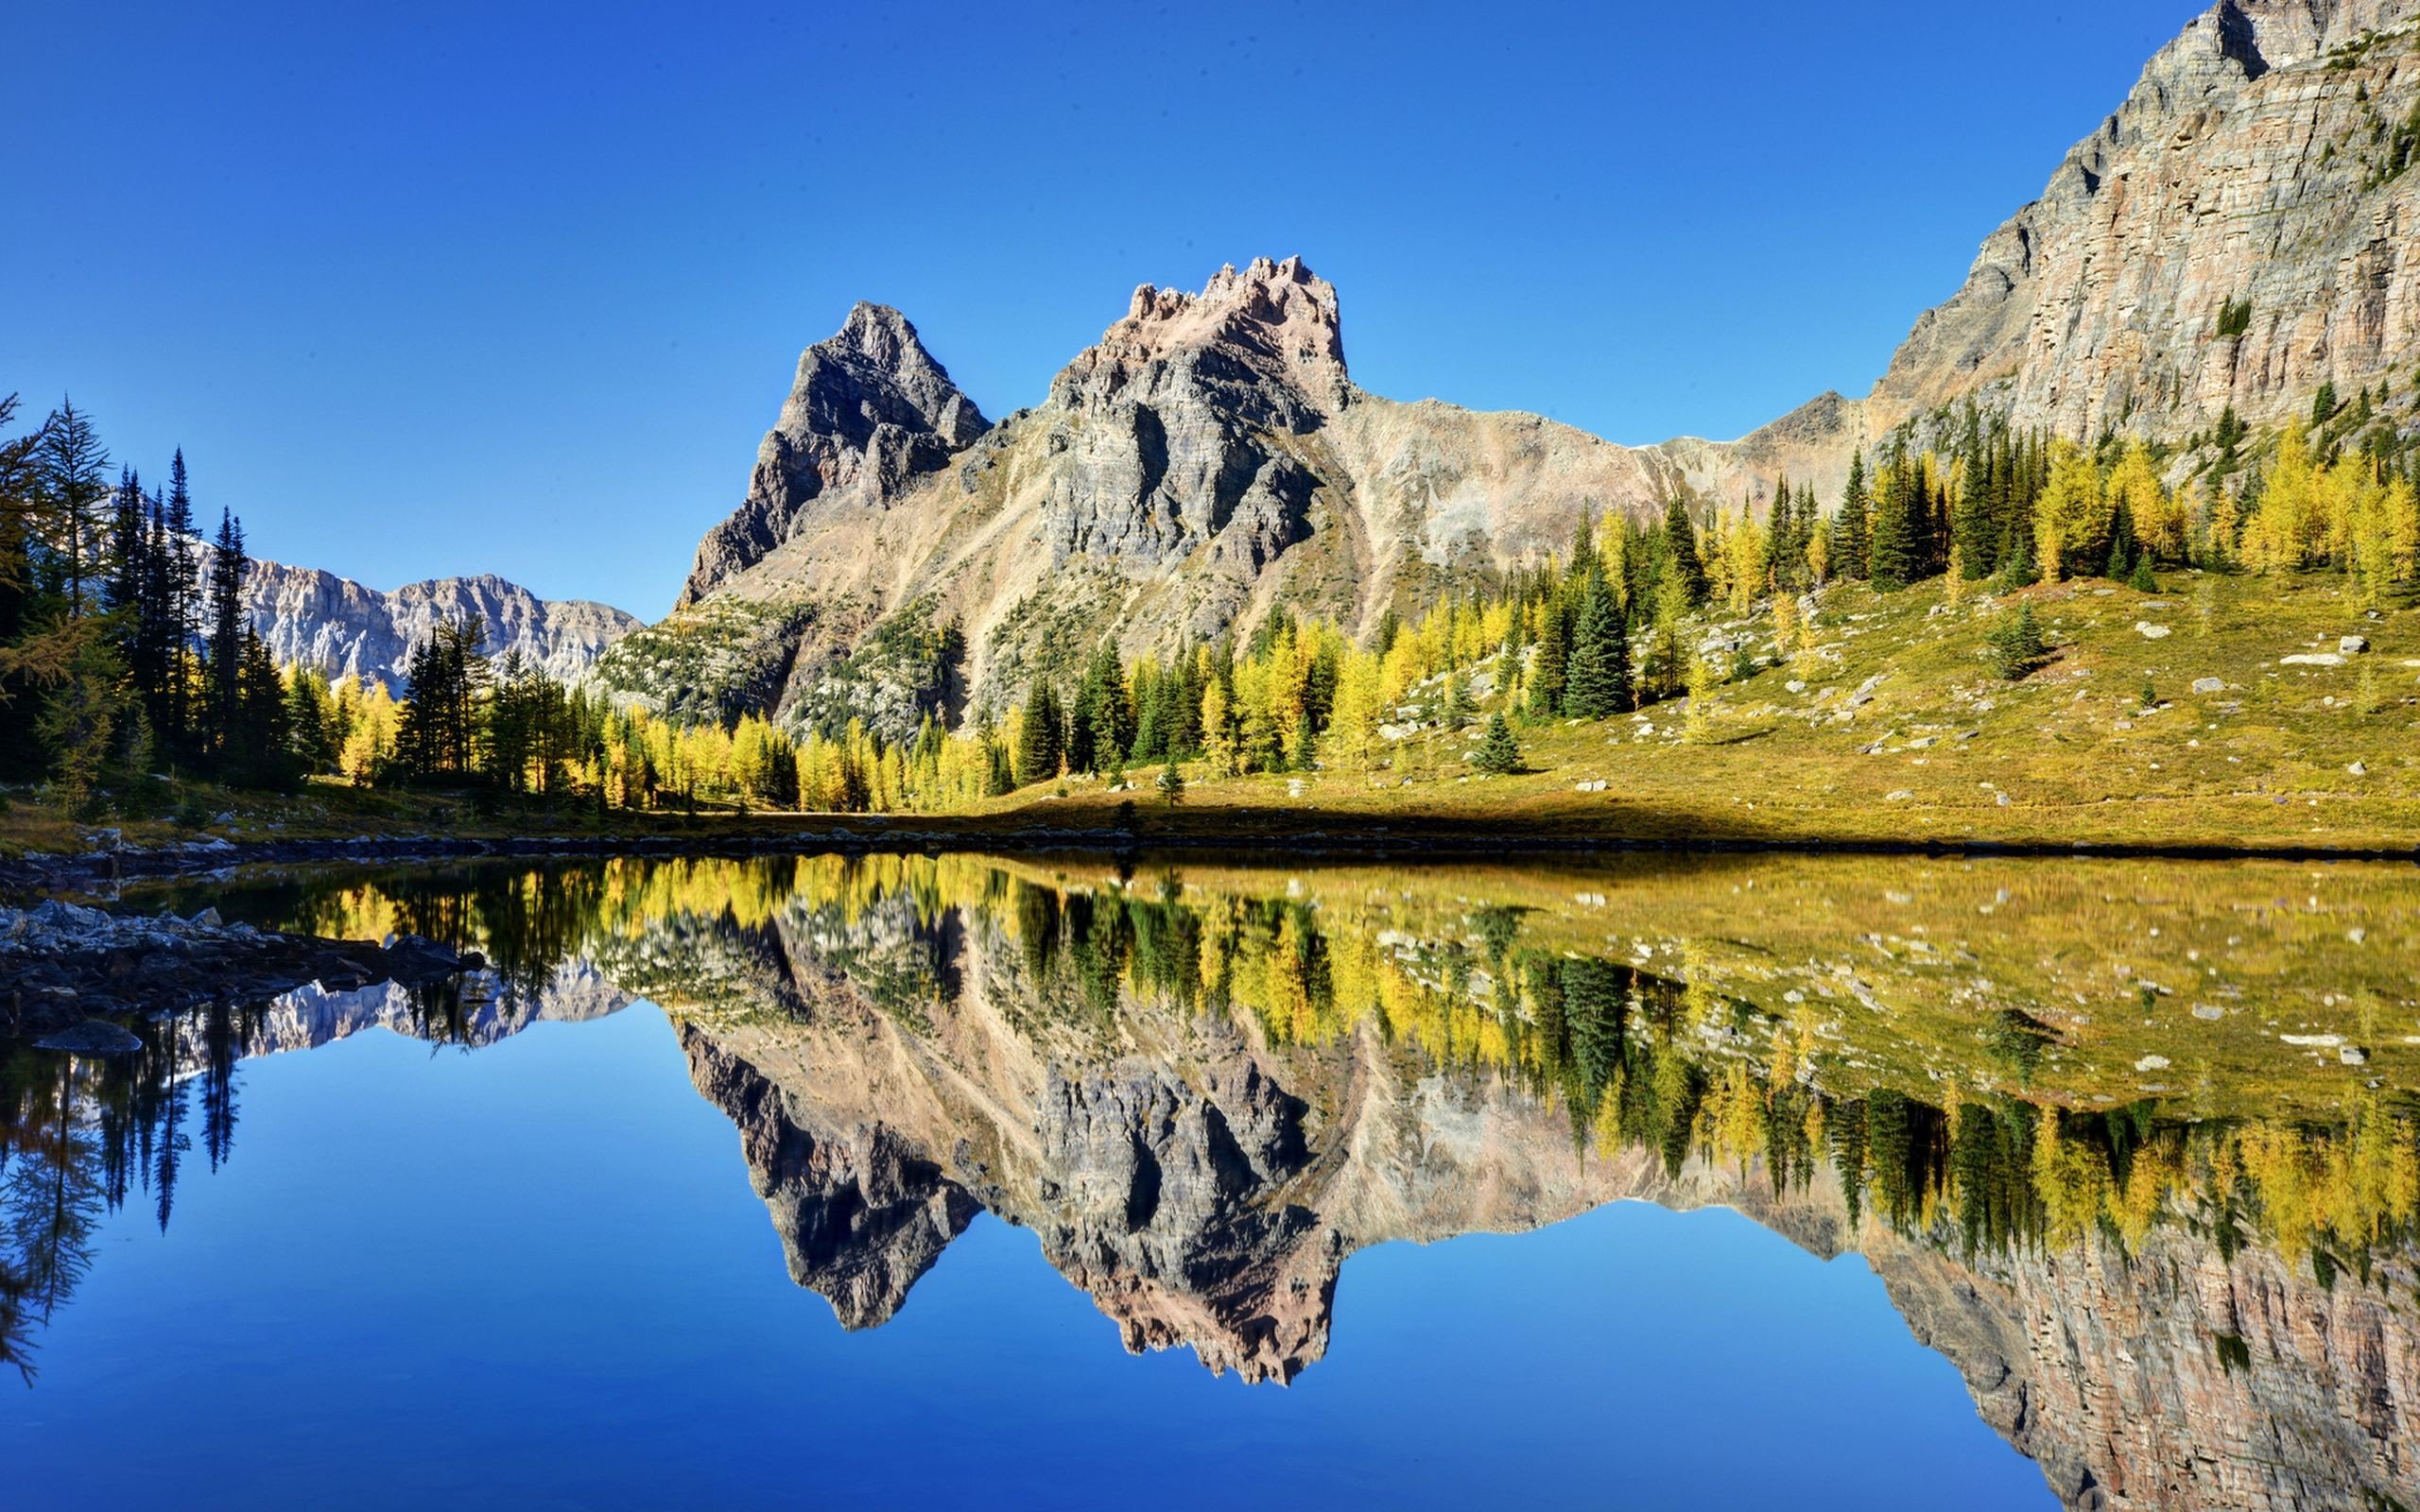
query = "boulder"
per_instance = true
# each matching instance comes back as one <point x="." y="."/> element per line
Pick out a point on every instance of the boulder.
<point x="94" y="1036"/>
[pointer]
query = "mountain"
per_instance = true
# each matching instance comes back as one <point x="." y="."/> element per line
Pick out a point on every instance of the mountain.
<point x="335" y="625"/>
<point x="1208" y="459"/>
<point x="2236" y="233"/>
<point x="2239" y="231"/>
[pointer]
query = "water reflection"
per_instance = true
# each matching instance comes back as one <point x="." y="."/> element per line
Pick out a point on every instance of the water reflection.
<point x="2135" y="1148"/>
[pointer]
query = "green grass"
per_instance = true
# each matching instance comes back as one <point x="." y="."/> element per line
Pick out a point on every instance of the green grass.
<point x="1938" y="740"/>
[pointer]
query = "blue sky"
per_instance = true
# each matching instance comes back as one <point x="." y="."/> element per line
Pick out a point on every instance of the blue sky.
<point x="457" y="288"/>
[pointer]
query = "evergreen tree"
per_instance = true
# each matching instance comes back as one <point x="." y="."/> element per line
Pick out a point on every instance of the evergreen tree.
<point x="2016" y="644"/>
<point x="1680" y="548"/>
<point x="75" y="489"/>
<point x="1498" y="752"/>
<point x="1598" y="683"/>
<point x="1849" y="536"/>
<point x="1891" y="542"/>
<point x="224" y="666"/>
<point x="1039" y="742"/>
<point x="1547" y="666"/>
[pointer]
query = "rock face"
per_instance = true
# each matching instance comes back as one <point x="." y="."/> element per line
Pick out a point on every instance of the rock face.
<point x="869" y="410"/>
<point x="2260" y="163"/>
<point x="336" y="626"/>
<point x="1208" y="458"/>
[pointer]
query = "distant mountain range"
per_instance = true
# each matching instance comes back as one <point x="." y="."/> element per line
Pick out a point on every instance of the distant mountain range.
<point x="336" y="626"/>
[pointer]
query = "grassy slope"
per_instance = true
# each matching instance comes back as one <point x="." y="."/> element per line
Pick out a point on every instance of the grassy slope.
<point x="2265" y="762"/>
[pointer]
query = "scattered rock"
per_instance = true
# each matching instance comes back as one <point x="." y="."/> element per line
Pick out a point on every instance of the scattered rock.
<point x="2149" y="631"/>
<point x="1898" y="795"/>
<point x="2311" y="659"/>
<point x="2353" y="644"/>
<point x="2209" y="685"/>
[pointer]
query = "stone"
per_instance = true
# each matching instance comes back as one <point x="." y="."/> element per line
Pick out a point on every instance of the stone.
<point x="2356" y="768"/>
<point x="1897" y="795"/>
<point x="2353" y="644"/>
<point x="2149" y="631"/>
<point x="2208" y="685"/>
<point x="2311" y="659"/>
<point x="94" y="1036"/>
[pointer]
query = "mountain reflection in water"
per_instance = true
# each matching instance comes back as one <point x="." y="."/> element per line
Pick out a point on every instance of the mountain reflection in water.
<point x="2134" y="1146"/>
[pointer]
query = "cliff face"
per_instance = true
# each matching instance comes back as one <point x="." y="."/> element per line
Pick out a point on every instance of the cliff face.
<point x="336" y="626"/>
<point x="2262" y="161"/>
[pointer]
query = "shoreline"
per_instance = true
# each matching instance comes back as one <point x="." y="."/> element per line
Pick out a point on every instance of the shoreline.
<point x="57" y="875"/>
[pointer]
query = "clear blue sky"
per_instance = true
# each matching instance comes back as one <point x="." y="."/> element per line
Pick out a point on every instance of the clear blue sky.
<point x="447" y="288"/>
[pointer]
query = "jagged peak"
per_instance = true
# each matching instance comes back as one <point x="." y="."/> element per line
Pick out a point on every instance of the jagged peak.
<point x="1278" y="320"/>
<point x="880" y="335"/>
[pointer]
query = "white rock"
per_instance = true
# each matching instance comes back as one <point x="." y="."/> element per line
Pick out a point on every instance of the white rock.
<point x="2149" y="631"/>
<point x="2352" y="644"/>
<point x="2152" y="1063"/>
<point x="2209" y="685"/>
<point x="2311" y="659"/>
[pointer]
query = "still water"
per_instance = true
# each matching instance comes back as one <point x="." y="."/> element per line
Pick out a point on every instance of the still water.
<point x="964" y="1180"/>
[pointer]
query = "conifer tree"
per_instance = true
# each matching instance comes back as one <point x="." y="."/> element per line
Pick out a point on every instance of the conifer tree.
<point x="1681" y="547"/>
<point x="1849" y="535"/>
<point x="1498" y="752"/>
<point x="1598" y="683"/>
<point x="1548" y="666"/>
<point x="75" y="490"/>
<point x="1039" y="746"/>
<point x="223" y="698"/>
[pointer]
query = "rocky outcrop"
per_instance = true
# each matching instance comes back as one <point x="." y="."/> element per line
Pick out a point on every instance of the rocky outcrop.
<point x="336" y="626"/>
<point x="868" y="411"/>
<point x="2238" y="233"/>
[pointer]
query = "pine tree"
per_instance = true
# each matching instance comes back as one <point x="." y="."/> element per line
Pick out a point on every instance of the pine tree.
<point x="1498" y="752"/>
<point x="1849" y="536"/>
<point x="1892" y="545"/>
<point x="1548" y="666"/>
<point x="223" y="690"/>
<point x="1039" y="746"/>
<point x="1681" y="550"/>
<point x="1598" y="684"/>
<point x="75" y="488"/>
<point x="183" y="606"/>
<point x="2016" y="644"/>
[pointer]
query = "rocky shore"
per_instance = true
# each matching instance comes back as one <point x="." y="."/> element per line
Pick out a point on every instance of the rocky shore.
<point x="66" y="971"/>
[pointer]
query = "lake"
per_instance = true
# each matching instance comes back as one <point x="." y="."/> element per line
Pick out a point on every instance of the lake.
<point x="959" y="1180"/>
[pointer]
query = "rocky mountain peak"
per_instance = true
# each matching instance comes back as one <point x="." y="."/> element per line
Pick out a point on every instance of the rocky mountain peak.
<point x="1266" y="340"/>
<point x="870" y="409"/>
